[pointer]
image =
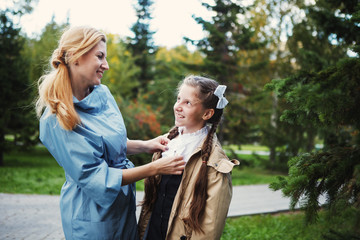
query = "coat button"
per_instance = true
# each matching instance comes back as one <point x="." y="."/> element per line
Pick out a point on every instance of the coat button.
<point x="183" y="237"/>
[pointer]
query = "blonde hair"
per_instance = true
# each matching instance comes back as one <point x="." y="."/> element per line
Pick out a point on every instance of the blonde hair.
<point x="55" y="90"/>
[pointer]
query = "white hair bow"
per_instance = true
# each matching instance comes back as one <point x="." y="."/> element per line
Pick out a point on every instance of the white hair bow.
<point x="219" y="92"/>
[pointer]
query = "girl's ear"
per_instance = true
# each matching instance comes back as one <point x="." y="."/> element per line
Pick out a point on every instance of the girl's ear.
<point x="208" y="114"/>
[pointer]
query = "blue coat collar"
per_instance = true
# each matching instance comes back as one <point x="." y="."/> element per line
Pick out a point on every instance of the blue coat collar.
<point x="92" y="103"/>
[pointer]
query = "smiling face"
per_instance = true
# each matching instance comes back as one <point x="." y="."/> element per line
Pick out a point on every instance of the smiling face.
<point x="91" y="66"/>
<point x="88" y="70"/>
<point x="189" y="111"/>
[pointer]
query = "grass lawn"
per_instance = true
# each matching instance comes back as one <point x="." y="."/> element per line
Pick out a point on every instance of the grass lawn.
<point x="286" y="226"/>
<point x="269" y="227"/>
<point x="37" y="172"/>
<point x="248" y="147"/>
<point x="249" y="176"/>
<point x="34" y="172"/>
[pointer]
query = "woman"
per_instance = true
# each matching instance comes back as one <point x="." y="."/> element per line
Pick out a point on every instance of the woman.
<point x="83" y="129"/>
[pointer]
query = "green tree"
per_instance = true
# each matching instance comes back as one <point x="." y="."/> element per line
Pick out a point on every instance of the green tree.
<point x="327" y="98"/>
<point x="39" y="49"/>
<point x="16" y="111"/>
<point x="142" y="45"/>
<point x="122" y="76"/>
<point x="273" y="21"/>
<point x="227" y="35"/>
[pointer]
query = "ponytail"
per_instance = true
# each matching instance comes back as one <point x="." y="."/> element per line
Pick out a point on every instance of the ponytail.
<point x="55" y="91"/>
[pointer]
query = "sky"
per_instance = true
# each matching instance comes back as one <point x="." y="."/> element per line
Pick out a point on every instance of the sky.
<point x="171" y="18"/>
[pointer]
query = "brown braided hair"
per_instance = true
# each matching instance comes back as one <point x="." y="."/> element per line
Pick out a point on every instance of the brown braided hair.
<point x="206" y="88"/>
<point x="152" y="182"/>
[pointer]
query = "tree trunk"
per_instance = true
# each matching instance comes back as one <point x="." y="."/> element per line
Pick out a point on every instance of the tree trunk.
<point x="1" y="159"/>
<point x="221" y="132"/>
<point x="272" y="156"/>
<point x="310" y="140"/>
<point x="273" y="119"/>
<point x="2" y="146"/>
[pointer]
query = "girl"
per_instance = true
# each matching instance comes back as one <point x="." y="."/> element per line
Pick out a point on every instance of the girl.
<point x="193" y="205"/>
<point x="83" y="129"/>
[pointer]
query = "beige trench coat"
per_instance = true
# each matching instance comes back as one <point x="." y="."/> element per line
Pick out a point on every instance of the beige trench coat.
<point x="217" y="204"/>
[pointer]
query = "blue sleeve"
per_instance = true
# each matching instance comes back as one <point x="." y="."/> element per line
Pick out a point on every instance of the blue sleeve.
<point x="81" y="153"/>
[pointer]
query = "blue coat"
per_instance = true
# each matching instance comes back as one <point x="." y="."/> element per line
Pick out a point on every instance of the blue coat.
<point x="93" y="203"/>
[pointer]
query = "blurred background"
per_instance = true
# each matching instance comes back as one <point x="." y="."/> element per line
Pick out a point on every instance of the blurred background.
<point x="292" y="73"/>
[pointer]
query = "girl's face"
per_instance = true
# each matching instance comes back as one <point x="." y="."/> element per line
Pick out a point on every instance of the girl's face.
<point x="189" y="111"/>
<point x="90" y="67"/>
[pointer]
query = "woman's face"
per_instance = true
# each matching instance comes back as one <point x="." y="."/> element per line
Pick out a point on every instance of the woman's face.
<point x="90" y="67"/>
<point x="188" y="109"/>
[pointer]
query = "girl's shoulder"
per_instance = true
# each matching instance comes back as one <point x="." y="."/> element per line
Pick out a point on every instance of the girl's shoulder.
<point x="220" y="161"/>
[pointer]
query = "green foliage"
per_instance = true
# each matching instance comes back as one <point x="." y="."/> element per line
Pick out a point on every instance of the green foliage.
<point x="142" y="45"/>
<point x="327" y="98"/>
<point x="19" y="8"/>
<point x="141" y="121"/>
<point x="322" y="102"/>
<point x="288" y="226"/>
<point x="313" y="52"/>
<point x="16" y="117"/>
<point x="334" y="173"/>
<point x="283" y="139"/>
<point x="39" y="50"/>
<point x="226" y="37"/>
<point x="334" y="19"/>
<point x="122" y="76"/>
<point x="328" y="101"/>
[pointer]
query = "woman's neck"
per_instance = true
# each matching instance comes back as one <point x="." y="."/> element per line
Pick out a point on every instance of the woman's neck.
<point x="80" y="92"/>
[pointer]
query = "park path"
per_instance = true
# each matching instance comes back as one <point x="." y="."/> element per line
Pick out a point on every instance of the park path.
<point x="38" y="216"/>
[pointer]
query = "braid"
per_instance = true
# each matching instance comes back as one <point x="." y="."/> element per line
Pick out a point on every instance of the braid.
<point x="150" y="191"/>
<point x="173" y="133"/>
<point x="152" y="182"/>
<point x="198" y="203"/>
<point x="207" y="146"/>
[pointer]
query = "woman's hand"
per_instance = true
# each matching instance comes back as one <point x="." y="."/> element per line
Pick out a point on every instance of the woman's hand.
<point x="149" y="146"/>
<point x="169" y="165"/>
<point x="156" y="144"/>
